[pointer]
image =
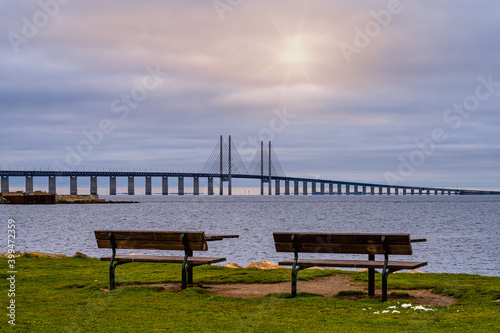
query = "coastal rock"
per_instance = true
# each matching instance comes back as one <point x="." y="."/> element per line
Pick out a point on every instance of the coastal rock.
<point x="415" y="271"/>
<point x="45" y="255"/>
<point x="80" y="255"/>
<point x="264" y="264"/>
<point x="232" y="265"/>
<point x="366" y="270"/>
<point x="315" y="267"/>
<point x="6" y="254"/>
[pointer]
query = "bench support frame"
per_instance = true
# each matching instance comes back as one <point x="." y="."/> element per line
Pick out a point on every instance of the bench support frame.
<point x="371" y="271"/>
<point x="187" y="269"/>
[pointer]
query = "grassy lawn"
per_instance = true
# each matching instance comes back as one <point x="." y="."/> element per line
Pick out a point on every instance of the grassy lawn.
<point x="63" y="295"/>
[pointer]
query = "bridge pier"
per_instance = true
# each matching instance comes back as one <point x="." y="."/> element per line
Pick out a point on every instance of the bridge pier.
<point x="412" y="191"/>
<point x="330" y="188"/>
<point x="180" y="186"/>
<point x="364" y="189"/>
<point x="380" y="190"/>
<point x="287" y="187"/>
<point x="339" y="189"/>
<point x="322" y="189"/>
<point x="372" y="190"/>
<point x="131" y="189"/>
<point x="210" y="186"/>
<point x="313" y="188"/>
<point x="73" y="185"/>
<point x="52" y="184"/>
<point x="347" y="189"/>
<point x="196" y="185"/>
<point x="93" y="185"/>
<point x="29" y="184"/>
<point x="304" y="188"/>
<point x="5" y="184"/>
<point x="396" y="190"/>
<point x="277" y="187"/>
<point x="112" y="185"/>
<point x="148" y="189"/>
<point x="404" y="190"/>
<point x="296" y="187"/>
<point x="164" y="185"/>
<point x="356" y="190"/>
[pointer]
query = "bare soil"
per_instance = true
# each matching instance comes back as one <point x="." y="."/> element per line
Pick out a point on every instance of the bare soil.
<point x="329" y="286"/>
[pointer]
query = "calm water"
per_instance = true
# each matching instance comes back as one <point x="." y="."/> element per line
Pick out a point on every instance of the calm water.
<point x="462" y="232"/>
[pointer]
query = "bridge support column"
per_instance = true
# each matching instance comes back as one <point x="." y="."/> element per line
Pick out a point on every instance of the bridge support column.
<point x="372" y="190"/>
<point x="112" y="185"/>
<point x="364" y="189"/>
<point x="396" y="190"/>
<point x="164" y="185"/>
<point x="131" y="189"/>
<point x="29" y="184"/>
<point x="148" y="189"/>
<point x="313" y="188"/>
<point x="420" y="191"/>
<point x="287" y="187"/>
<point x="330" y="188"/>
<point x="210" y="186"/>
<point x="412" y="191"/>
<point x="380" y="190"/>
<point x="322" y="189"/>
<point x="428" y="192"/>
<point x="347" y="189"/>
<point x="52" y="184"/>
<point x="196" y="185"/>
<point x="339" y="189"/>
<point x="5" y="184"/>
<point x="93" y="185"/>
<point x="73" y="185"/>
<point x="180" y="186"/>
<point x="404" y="190"/>
<point x="221" y="186"/>
<point x="356" y="190"/>
<point x="277" y="187"/>
<point x="304" y="188"/>
<point x="388" y="190"/>
<point x="296" y="187"/>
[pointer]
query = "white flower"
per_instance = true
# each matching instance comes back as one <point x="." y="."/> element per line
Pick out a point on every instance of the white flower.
<point x="406" y="305"/>
<point x="395" y="311"/>
<point x="385" y="311"/>
<point x="392" y="307"/>
<point x="376" y="312"/>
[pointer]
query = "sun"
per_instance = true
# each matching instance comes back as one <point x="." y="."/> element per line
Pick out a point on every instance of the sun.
<point x="294" y="52"/>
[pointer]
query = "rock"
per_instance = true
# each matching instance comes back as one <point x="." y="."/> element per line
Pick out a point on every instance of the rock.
<point x="315" y="267"/>
<point x="264" y="264"/>
<point x="45" y="255"/>
<point x="366" y="270"/>
<point x="134" y="254"/>
<point x="415" y="271"/>
<point x="80" y="255"/>
<point x="17" y="254"/>
<point x="232" y="265"/>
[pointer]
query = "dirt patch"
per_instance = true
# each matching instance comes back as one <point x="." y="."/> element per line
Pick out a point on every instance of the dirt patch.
<point x="328" y="286"/>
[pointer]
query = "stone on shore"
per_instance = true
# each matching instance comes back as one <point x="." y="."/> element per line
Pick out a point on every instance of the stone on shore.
<point x="232" y="265"/>
<point x="366" y="270"/>
<point x="415" y="271"/>
<point x="45" y="255"/>
<point x="80" y="255"/>
<point x="264" y="264"/>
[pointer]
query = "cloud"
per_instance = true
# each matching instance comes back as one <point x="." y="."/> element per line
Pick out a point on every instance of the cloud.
<point x="353" y="119"/>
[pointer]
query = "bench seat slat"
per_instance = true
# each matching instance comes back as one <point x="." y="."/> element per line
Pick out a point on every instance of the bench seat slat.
<point x="395" y="239"/>
<point x="392" y="265"/>
<point x="344" y="248"/>
<point x="151" y="245"/>
<point x="165" y="259"/>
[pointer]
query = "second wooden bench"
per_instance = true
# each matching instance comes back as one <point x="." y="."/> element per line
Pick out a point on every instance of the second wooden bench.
<point x="371" y="244"/>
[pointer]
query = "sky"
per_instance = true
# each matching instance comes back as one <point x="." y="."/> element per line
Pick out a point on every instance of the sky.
<point x="391" y="92"/>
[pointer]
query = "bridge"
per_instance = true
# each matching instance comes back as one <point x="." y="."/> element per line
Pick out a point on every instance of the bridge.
<point x="225" y="164"/>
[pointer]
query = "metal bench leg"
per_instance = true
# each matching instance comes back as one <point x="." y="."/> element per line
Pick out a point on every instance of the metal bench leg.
<point x="111" y="275"/>
<point x="294" y="280"/>
<point x="190" y="274"/>
<point x="385" y="275"/>
<point x="371" y="277"/>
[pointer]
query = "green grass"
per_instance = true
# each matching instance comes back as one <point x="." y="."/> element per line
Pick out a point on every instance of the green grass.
<point x="63" y="295"/>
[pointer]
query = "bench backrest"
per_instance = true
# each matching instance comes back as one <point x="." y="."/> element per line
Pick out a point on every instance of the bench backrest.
<point x="342" y="243"/>
<point x="152" y="240"/>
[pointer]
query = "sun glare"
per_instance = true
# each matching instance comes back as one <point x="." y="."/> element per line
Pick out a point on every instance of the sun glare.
<point x="294" y="52"/>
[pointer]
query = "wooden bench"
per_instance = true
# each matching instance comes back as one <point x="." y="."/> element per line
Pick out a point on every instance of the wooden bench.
<point x="155" y="240"/>
<point x="371" y="244"/>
